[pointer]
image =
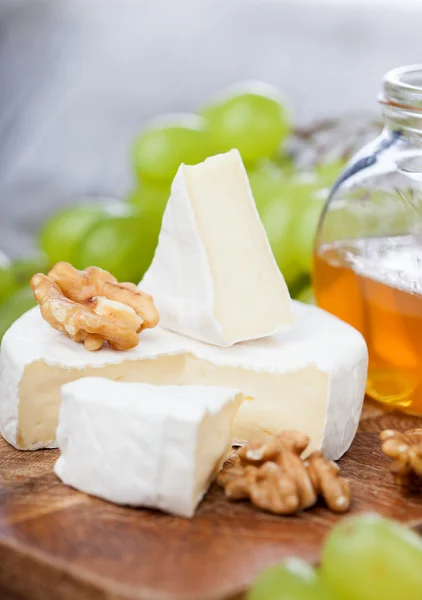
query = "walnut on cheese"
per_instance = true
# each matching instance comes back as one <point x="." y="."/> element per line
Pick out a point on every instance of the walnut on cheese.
<point x="274" y="477"/>
<point x="92" y="307"/>
<point x="406" y="451"/>
<point x="81" y="286"/>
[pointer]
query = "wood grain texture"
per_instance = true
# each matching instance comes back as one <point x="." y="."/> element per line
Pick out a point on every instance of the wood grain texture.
<point x="59" y="544"/>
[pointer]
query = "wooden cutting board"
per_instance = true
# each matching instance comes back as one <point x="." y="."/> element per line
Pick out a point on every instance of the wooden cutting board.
<point x="59" y="544"/>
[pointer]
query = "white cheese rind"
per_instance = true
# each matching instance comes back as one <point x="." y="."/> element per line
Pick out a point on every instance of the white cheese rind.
<point x="179" y="277"/>
<point x="319" y="346"/>
<point x="183" y="278"/>
<point x="142" y="445"/>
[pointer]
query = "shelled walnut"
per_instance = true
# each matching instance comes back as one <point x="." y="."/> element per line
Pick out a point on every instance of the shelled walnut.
<point x="406" y="451"/>
<point x="275" y="478"/>
<point x="91" y="306"/>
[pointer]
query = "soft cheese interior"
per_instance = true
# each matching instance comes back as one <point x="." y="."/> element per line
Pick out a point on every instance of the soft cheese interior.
<point x="310" y="378"/>
<point x="143" y="445"/>
<point x="250" y="296"/>
<point x="214" y="277"/>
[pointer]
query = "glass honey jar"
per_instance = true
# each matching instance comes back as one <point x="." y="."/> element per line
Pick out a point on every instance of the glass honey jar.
<point x="367" y="266"/>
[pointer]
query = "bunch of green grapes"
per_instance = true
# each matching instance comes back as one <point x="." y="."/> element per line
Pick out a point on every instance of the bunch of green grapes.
<point x="121" y="237"/>
<point x="365" y="557"/>
<point x="256" y="119"/>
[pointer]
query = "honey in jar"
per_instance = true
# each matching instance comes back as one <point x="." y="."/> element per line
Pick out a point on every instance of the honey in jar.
<point x="367" y="266"/>
<point x="381" y="280"/>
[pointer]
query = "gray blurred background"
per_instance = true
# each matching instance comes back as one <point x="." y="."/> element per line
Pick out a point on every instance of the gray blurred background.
<point x="78" y="78"/>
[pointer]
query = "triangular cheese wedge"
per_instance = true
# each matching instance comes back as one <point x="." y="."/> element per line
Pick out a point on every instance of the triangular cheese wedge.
<point x="214" y="277"/>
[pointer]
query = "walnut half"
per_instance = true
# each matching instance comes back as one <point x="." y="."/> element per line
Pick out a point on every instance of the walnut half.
<point x="92" y="307"/>
<point x="82" y="286"/>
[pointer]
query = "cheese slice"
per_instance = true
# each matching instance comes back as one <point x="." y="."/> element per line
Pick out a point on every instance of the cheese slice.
<point x="214" y="277"/>
<point x="144" y="445"/>
<point x="310" y="378"/>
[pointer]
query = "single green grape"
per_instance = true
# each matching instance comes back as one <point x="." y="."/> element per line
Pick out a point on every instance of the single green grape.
<point x="278" y="219"/>
<point x="306" y="226"/>
<point x="62" y="233"/>
<point x="267" y="181"/>
<point x="7" y="282"/>
<point x="120" y="244"/>
<point x="14" y="306"/>
<point x="298" y="208"/>
<point x="300" y="189"/>
<point x="150" y="197"/>
<point x="151" y="202"/>
<point x="254" y="119"/>
<point x="295" y="579"/>
<point x="269" y="184"/>
<point x="367" y="557"/>
<point x="167" y="143"/>
<point x="25" y="268"/>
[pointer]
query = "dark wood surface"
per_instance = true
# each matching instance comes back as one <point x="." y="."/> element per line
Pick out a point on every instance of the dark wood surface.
<point x="59" y="544"/>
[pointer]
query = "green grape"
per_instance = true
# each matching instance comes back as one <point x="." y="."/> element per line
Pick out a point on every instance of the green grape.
<point x="295" y="579"/>
<point x="269" y="184"/>
<point x="167" y="143"/>
<point x="300" y="189"/>
<point x="306" y="226"/>
<point x="18" y="303"/>
<point x="292" y="242"/>
<point x="266" y="180"/>
<point x="65" y="229"/>
<point x="150" y="205"/>
<point x="148" y="196"/>
<point x="7" y="283"/>
<point x="368" y="557"/>
<point x="25" y="268"/>
<point x="151" y="202"/>
<point x="278" y="222"/>
<point x="254" y="119"/>
<point x="120" y="244"/>
<point x="306" y="295"/>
